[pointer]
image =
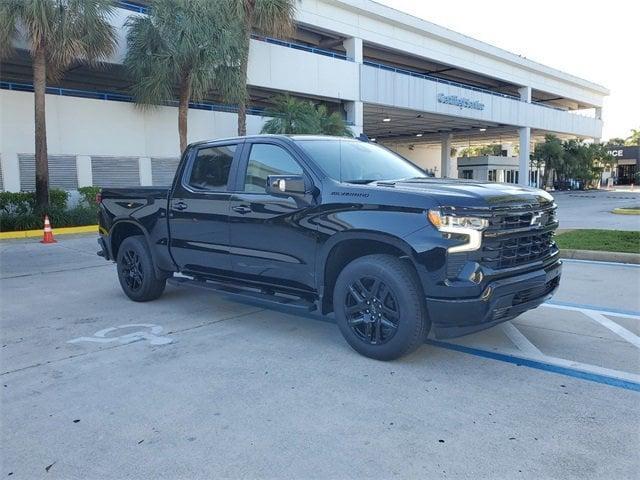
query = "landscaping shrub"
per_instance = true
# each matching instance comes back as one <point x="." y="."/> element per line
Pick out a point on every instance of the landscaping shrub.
<point x="17" y="210"/>
<point x="88" y="195"/>
<point x="59" y="218"/>
<point x="21" y="203"/>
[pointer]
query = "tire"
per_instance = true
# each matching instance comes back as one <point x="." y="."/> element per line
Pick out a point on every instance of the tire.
<point x="395" y="322"/>
<point x="136" y="272"/>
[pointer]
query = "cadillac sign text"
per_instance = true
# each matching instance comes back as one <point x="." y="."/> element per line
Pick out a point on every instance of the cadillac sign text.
<point x="460" y="102"/>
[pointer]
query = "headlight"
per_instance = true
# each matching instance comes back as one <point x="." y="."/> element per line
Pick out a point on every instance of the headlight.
<point x="472" y="227"/>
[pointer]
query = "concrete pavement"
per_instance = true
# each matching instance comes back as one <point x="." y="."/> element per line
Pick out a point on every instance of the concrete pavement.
<point x="592" y="209"/>
<point x="233" y="391"/>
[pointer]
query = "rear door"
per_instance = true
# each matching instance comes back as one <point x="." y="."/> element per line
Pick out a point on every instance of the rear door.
<point x="270" y="240"/>
<point x="199" y="210"/>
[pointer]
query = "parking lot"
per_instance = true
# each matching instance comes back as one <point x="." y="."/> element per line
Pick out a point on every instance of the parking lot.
<point x="195" y="385"/>
<point x="592" y="209"/>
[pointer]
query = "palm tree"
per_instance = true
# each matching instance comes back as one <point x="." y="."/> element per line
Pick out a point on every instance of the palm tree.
<point x="634" y="138"/>
<point x="268" y="17"/>
<point x="549" y="153"/>
<point x="188" y="44"/>
<point x="332" y="124"/>
<point x="59" y="33"/>
<point x="292" y="116"/>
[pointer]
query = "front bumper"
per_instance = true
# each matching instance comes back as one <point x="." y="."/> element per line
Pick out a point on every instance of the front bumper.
<point x="501" y="300"/>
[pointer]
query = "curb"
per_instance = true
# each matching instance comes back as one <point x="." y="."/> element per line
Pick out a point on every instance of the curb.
<point x="57" y="231"/>
<point x="600" y="256"/>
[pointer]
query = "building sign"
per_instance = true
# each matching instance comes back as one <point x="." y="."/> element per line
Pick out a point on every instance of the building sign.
<point x="460" y="102"/>
<point x="626" y="155"/>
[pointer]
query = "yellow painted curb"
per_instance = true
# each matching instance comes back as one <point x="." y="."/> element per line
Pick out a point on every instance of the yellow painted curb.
<point x="626" y="211"/>
<point x="56" y="231"/>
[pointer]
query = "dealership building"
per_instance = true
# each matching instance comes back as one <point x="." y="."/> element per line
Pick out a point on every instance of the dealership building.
<point x="411" y="85"/>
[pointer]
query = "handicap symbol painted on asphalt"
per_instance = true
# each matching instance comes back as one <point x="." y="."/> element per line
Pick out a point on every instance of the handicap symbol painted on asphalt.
<point x="151" y="333"/>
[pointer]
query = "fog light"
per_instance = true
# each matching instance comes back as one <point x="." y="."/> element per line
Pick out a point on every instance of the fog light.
<point x="477" y="277"/>
<point x="487" y="293"/>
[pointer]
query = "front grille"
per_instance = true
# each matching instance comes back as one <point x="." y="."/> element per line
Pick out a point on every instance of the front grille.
<point x="518" y="237"/>
<point x="519" y="250"/>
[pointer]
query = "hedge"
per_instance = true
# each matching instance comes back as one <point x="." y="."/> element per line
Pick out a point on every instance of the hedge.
<point x="75" y="217"/>
<point x="18" y="212"/>
<point x="25" y="202"/>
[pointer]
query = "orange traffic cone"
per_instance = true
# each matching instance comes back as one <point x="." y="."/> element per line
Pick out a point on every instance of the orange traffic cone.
<point x="48" y="233"/>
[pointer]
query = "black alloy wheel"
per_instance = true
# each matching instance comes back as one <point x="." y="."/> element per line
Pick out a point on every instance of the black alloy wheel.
<point x="380" y="306"/>
<point x="372" y="310"/>
<point x="132" y="270"/>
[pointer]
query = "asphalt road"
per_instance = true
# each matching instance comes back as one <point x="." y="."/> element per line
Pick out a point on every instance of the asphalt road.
<point x="592" y="209"/>
<point x="197" y="386"/>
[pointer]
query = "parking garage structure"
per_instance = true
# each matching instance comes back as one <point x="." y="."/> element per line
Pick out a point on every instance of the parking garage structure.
<point x="406" y="83"/>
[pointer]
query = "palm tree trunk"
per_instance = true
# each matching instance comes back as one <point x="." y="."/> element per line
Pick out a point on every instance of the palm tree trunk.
<point x="249" y="7"/>
<point x="242" y="101"/>
<point x="42" y="163"/>
<point x="183" y="110"/>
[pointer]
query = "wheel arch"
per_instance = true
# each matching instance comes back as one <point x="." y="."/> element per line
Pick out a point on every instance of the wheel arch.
<point x="123" y="229"/>
<point x="347" y="247"/>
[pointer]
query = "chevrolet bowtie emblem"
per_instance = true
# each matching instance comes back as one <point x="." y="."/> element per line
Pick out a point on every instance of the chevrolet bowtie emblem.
<point x="536" y="219"/>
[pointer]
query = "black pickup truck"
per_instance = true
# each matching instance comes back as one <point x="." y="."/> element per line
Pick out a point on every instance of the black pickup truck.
<point x="338" y="225"/>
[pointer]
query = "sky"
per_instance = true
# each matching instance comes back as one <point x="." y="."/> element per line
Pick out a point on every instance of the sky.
<point x="595" y="40"/>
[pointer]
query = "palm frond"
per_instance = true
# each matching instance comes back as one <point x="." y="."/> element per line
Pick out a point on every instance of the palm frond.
<point x="275" y="17"/>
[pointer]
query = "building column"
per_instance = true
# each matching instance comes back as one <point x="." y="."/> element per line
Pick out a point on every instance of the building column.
<point x="598" y="112"/>
<point x="525" y="142"/>
<point x="146" y="177"/>
<point x="84" y="171"/>
<point x="355" y="117"/>
<point x="355" y="109"/>
<point x="445" y="155"/>
<point x="525" y="94"/>
<point x="10" y="171"/>
<point x="525" y="145"/>
<point x="353" y="46"/>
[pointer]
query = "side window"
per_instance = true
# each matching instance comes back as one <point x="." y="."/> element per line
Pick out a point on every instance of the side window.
<point x="211" y="168"/>
<point x="265" y="160"/>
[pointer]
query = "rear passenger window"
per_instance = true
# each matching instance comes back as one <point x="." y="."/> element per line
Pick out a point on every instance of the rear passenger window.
<point x="265" y="160"/>
<point x="211" y="168"/>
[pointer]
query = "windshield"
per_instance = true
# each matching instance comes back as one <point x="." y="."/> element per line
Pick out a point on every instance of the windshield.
<point x="358" y="162"/>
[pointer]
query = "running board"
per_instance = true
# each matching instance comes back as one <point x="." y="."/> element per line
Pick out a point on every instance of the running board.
<point x="241" y="293"/>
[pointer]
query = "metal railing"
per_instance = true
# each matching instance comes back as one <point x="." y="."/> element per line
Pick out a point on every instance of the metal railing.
<point x="119" y="97"/>
<point x="299" y="46"/>
<point x="132" y="6"/>
<point x="426" y="76"/>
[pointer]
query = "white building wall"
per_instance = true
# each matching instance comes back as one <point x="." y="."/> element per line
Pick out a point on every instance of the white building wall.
<point x="87" y="127"/>
<point x="283" y="68"/>
<point x="427" y="157"/>
<point x="394" y="89"/>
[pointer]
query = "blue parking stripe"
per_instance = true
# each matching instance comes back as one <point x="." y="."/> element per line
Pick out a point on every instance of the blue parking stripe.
<point x="570" y="372"/>
<point x="594" y="307"/>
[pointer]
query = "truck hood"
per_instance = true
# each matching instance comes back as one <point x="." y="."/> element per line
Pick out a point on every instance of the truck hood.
<point x="469" y="193"/>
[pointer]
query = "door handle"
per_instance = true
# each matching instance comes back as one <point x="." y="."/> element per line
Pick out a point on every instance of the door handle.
<point x="241" y="209"/>
<point x="180" y="206"/>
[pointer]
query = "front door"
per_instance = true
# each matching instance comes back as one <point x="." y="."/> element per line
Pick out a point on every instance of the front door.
<point x="199" y="211"/>
<point x="269" y="242"/>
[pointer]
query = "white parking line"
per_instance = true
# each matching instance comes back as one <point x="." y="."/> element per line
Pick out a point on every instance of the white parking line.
<point x="584" y="309"/>
<point x="520" y="341"/>
<point x="614" y="327"/>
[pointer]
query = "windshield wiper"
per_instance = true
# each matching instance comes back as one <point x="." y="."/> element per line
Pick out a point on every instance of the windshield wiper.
<point x="362" y="181"/>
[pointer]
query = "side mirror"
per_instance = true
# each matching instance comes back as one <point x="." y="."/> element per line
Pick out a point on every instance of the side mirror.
<point x="286" y="185"/>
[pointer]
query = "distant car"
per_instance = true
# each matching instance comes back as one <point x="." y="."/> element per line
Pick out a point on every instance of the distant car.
<point x="337" y="225"/>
